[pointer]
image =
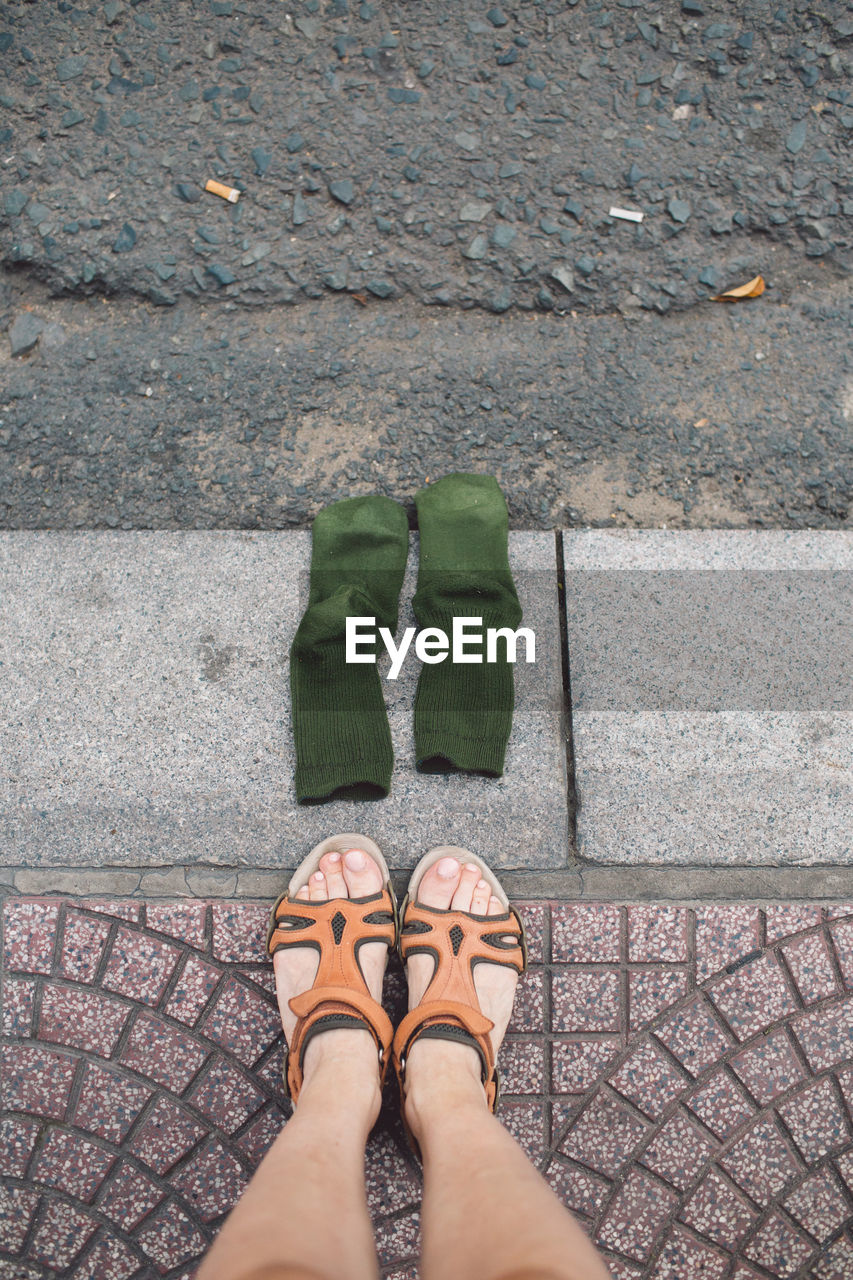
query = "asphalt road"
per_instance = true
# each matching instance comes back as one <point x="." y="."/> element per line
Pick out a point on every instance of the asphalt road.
<point x="422" y="272"/>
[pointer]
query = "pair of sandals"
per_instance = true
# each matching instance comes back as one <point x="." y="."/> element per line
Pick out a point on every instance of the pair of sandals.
<point x="457" y="940"/>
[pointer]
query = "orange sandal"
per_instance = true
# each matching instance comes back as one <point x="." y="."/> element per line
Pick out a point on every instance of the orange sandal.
<point x="457" y="940"/>
<point x="336" y="929"/>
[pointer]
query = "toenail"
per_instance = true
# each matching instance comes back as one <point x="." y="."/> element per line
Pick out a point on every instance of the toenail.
<point x="447" y="868"/>
<point x="318" y="876"/>
<point x="482" y="884"/>
<point x="471" y="866"/>
<point x="334" y="857"/>
<point x="356" y="861"/>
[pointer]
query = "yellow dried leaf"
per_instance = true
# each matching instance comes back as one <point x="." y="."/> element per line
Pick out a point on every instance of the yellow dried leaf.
<point x="752" y="289"/>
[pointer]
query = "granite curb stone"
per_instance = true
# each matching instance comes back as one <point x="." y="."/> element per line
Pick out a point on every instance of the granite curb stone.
<point x="711" y="680"/>
<point x="145" y="709"/>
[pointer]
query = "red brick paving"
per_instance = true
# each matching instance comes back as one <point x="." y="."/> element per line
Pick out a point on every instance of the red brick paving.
<point x="127" y="1099"/>
<point x="719" y="1211"/>
<point x="83" y="941"/>
<point x="650" y="991"/>
<point x="693" y="1035"/>
<point x="769" y="1068"/>
<point x="684" y="1078"/>
<point x="721" y="1104"/>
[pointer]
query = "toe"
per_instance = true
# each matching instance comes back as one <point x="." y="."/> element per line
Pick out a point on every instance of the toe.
<point x="332" y="867"/>
<point x="496" y="907"/>
<point x="361" y="874"/>
<point x="466" y="886"/>
<point x="302" y="894"/>
<point x="480" y="898"/>
<point x="438" y="884"/>
<point x="317" y="887"/>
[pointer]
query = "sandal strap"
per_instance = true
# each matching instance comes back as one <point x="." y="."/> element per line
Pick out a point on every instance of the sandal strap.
<point x="325" y="925"/>
<point x="457" y="936"/>
<point x="334" y="1007"/>
<point x="458" y="942"/>
<point x="434" y="1015"/>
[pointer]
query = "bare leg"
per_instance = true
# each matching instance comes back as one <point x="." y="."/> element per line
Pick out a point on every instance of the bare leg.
<point x="487" y="1213"/>
<point x="304" y="1215"/>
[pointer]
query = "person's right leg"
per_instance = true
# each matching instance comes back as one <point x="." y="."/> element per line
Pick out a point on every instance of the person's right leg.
<point x="304" y="1215"/>
<point x="487" y="1213"/>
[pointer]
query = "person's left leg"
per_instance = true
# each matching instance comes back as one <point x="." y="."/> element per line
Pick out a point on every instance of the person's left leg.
<point x="487" y="1213"/>
<point x="304" y="1215"/>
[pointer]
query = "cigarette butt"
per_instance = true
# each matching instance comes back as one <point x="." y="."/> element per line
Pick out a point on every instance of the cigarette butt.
<point x="219" y="189"/>
<point x="628" y="215"/>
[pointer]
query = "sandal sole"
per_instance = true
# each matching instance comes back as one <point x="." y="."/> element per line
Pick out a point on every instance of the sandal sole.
<point x="337" y="844"/>
<point x="462" y="855"/>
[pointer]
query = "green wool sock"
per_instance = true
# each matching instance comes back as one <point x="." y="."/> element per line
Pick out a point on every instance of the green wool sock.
<point x="463" y="712"/>
<point x="343" y="743"/>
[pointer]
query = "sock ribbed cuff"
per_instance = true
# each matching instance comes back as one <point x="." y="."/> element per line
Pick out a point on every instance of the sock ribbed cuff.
<point x="463" y="711"/>
<point x="340" y="728"/>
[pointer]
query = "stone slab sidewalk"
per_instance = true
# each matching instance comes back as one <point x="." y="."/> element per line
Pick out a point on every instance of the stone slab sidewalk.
<point x="683" y="1078"/>
<point x="144" y="712"/>
<point x="712" y="696"/>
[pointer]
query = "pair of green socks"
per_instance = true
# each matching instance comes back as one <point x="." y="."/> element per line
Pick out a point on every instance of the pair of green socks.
<point x="463" y="712"/>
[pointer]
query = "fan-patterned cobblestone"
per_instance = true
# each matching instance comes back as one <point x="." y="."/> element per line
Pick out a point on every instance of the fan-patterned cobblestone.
<point x="682" y="1076"/>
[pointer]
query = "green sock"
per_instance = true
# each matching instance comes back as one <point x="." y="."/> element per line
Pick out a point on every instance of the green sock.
<point x="463" y="712"/>
<point x="343" y="743"/>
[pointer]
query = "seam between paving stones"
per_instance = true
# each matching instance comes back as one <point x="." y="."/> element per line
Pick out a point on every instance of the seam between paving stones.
<point x="691" y="953"/>
<point x="763" y="1212"/>
<point x="835" y="962"/>
<point x="703" y="992"/>
<point x="136" y="1007"/>
<point x="49" y="1195"/>
<point x="158" y="1091"/>
<point x="115" y="1063"/>
<point x="121" y="1154"/>
<point x="624" y="1022"/>
<point x="685" y="884"/>
<point x="566" y="716"/>
<point x="547" y="1023"/>
<point x="776" y="1207"/>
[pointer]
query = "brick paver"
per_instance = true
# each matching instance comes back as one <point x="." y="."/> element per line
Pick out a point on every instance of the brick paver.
<point x="683" y="1077"/>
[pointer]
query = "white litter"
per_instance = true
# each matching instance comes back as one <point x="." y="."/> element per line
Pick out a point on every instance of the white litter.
<point x="628" y="215"/>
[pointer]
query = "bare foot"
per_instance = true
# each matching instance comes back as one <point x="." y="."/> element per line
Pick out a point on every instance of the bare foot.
<point x="450" y="884"/>
<point x="353" y="874"/>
